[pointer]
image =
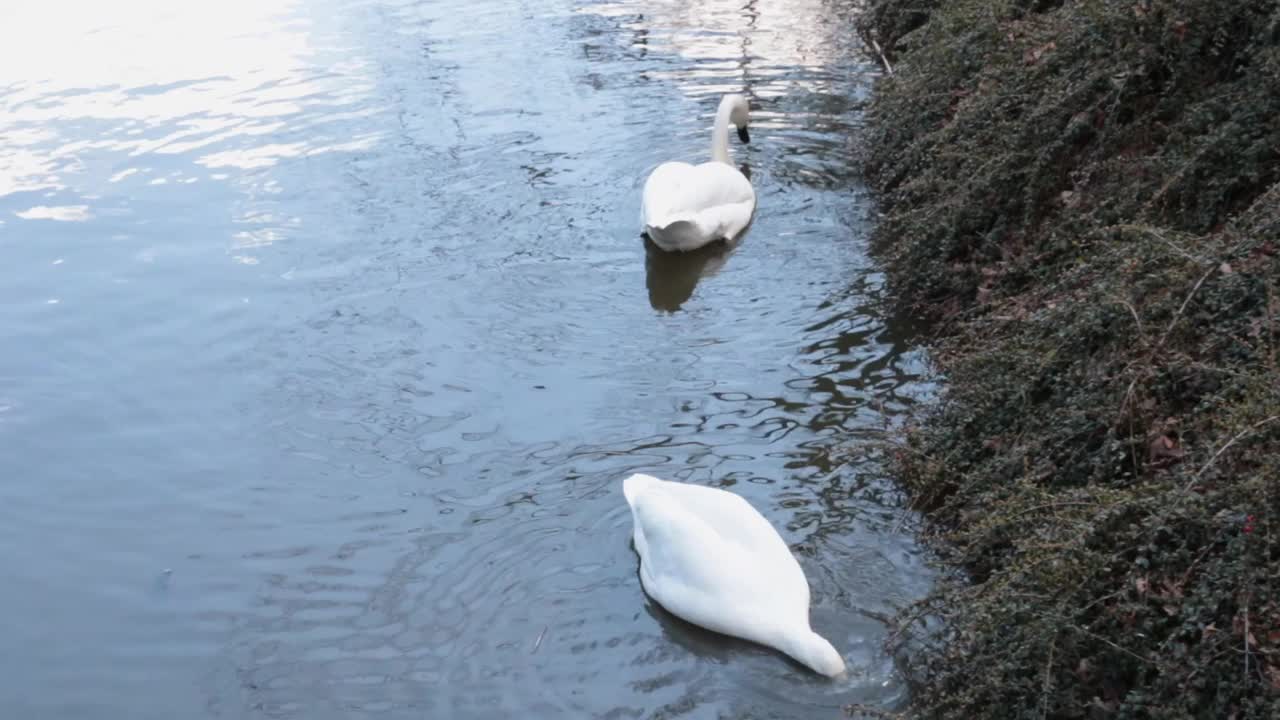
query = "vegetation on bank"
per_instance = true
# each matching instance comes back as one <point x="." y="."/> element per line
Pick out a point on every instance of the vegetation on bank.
<point x="1083" y="196"/>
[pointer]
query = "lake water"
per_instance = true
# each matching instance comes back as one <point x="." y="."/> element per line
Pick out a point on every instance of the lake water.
<point x="328" y="336"/>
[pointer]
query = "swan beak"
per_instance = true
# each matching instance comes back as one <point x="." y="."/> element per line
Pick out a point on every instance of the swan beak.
<point x="743" y="135"/>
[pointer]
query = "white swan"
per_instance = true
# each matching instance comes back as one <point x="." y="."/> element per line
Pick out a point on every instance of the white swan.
<point x="687" y="206"/>
<point x="711" y="559"/>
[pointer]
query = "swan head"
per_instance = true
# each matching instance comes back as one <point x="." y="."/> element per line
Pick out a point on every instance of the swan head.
<point x="739" y="114"/>
<point x="811" y="649"/>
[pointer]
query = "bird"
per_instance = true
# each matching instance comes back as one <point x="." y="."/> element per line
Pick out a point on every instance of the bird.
<point x="710" y="558"/>
<point x="685" y="207"/>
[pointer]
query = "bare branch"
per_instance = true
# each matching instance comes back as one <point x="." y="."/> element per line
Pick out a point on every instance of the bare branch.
<point x="1230" y="442"/>
<point x="887" y="67"/>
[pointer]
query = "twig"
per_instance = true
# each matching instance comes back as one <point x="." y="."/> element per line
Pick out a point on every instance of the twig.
<point x="1223" y="449"/>
<point x="1128" y="393"/>
<point x="872" y="711"/>
<point x="887" y="67"/>
<point x="1048" y="680"/>
<point x="902" y="520"/>
<point x="1124" y="650"/>
<point x="922" y="610"/>
<point x="1187" y="575"/>
<point x="1246" y="642"/>
<point x="1137" y="320"/>
<point x="1172" y="245"/>
<point x="1271" y="323"/>
<point x="1207" y="663"/>
<point x="1100" y="599"/>
<point x="1050" y="506"/>
<point x="1133" y="452"/>
<point x="1183" y="307"/>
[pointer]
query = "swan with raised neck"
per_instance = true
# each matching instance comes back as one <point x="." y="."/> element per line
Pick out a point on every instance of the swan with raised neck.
<point x="735" y="111"/>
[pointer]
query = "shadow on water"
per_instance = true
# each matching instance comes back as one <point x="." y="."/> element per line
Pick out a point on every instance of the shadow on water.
<point x="672" y="277"/>
<point x="332" y="341"/>
<point x="703" y="643"/>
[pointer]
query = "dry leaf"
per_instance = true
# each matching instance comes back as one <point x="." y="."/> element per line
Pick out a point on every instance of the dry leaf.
<point x="1225" y="268"/>
<point x="1033" y="55"/>
<point x="1171" y="589"/>
<point x="1164" y="450"/>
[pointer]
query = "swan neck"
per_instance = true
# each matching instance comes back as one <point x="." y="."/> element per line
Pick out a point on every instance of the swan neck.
<point x="812" y="650"/>
<point x="720" y="133"/>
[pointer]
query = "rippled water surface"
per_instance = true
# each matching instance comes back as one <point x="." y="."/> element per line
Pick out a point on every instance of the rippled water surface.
<point x="328" y="336"/>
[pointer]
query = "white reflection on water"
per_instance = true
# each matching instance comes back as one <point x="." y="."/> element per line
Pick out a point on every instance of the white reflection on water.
<point x="797" y="62"/>
<point x="102" y="98"/>
<point x="737" y="45"/>
<point x="65" y="213"/>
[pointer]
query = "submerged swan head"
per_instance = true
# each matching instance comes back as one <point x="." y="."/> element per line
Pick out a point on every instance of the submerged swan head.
<point x="811" y="649"/>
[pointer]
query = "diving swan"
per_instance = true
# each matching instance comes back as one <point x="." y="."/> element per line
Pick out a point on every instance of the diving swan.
<point x="709" y="558"/>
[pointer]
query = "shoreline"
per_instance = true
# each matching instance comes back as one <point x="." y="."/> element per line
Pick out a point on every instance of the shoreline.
<point x="1082" y="199"/>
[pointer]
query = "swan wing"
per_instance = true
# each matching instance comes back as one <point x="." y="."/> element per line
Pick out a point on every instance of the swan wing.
<point x="713" y="200"/>
<point x="663" y="190"/>
<point x="699" y="576"/>
<point x="738" y="527"/>
<point x="730" y="515"/>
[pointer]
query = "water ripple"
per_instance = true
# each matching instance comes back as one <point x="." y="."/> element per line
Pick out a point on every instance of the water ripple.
<point x="336" y="338"/>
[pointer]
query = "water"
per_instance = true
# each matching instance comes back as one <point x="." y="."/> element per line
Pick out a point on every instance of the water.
<point x="329" y="336"/>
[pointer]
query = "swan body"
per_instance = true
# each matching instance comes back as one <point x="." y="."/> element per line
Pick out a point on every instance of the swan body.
<point x="709" y="558"/>
<point x="688" y="206"/>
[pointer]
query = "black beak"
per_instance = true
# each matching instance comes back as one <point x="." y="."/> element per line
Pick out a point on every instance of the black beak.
<point x="743" y="135"/>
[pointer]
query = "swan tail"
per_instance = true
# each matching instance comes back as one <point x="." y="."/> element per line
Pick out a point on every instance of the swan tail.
<point x="678" y="235"/>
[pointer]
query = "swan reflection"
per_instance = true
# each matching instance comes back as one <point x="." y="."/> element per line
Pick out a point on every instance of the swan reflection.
<point x="672" y="276"/>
